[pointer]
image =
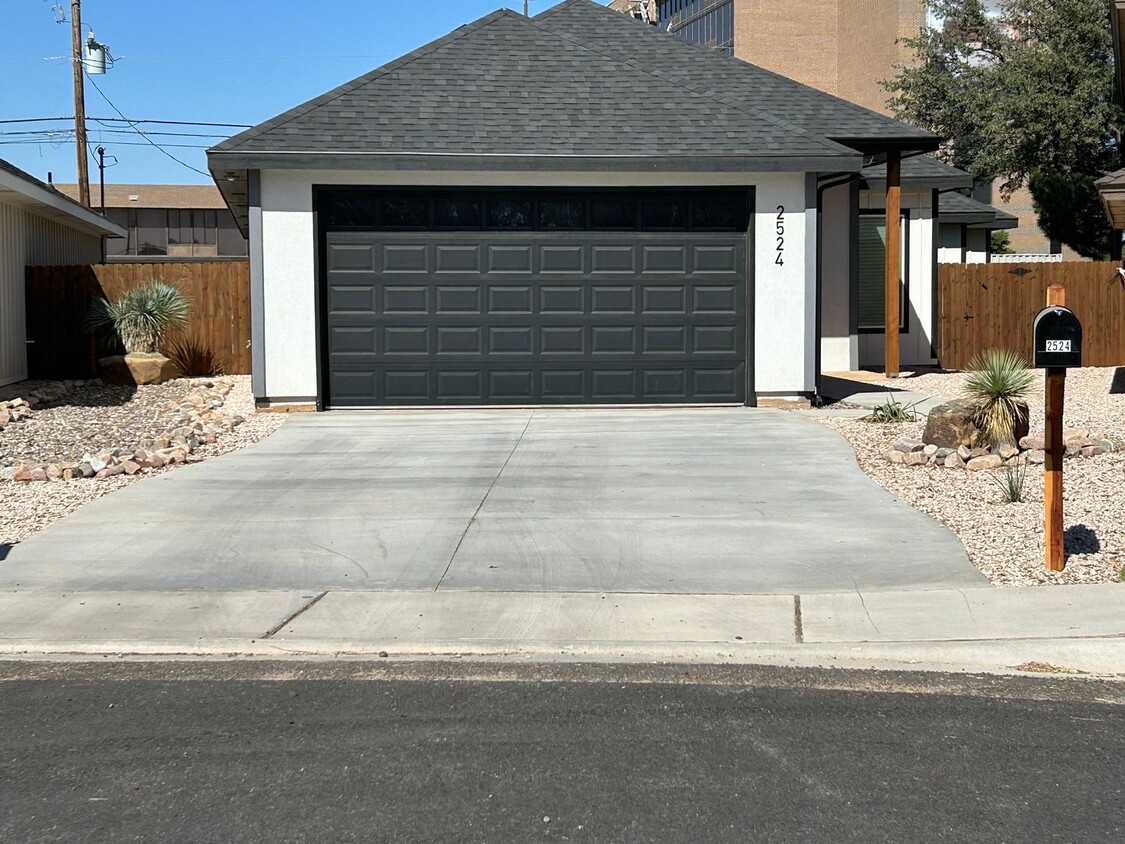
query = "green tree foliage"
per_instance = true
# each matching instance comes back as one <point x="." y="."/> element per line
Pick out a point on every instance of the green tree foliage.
<point x="1026" y="97"/>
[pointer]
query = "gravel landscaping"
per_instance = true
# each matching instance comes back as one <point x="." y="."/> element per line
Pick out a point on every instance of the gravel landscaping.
<point x="1005" y="541"/>
<point x="93" y="418"/>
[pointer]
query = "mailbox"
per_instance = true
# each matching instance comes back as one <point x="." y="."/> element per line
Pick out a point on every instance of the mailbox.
<point x="1058" y="339"/>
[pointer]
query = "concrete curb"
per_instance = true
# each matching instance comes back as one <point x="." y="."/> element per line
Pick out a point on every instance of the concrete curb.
<point x="1075" y="628"/>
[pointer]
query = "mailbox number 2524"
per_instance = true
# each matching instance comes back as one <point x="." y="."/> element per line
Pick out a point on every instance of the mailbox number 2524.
<point x="1056" y="346"/>
<point x="780" y="259"/>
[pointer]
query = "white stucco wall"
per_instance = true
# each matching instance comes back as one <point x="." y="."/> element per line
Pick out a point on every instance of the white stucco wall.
<point x="784" y="297"/>
<point x="916" y="343"/>
<point x="839" y="344"/>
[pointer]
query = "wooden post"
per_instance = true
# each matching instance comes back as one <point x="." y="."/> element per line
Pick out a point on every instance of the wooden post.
<point x="1053" y="465"/>
<point x="892" y="268"/>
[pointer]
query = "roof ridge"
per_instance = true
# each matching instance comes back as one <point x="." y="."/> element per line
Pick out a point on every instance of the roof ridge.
<point x="714" y="55"/>
<point x="360" y="81"/>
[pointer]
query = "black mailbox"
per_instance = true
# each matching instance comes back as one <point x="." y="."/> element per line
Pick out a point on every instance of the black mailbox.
<point x="1058" y="338"/>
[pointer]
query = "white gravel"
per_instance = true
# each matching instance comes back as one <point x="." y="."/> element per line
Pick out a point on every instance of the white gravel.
<point x="26" y="508"/>
<point x="1005" y="541"/>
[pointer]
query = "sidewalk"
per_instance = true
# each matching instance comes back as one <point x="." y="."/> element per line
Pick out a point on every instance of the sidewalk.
<point x="1080" y="628"/>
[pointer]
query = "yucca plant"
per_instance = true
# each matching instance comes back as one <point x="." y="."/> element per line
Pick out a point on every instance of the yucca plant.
<point x="892" y="411"/>
<point x="1001" y="380"/>
<point x="141" y="317"/>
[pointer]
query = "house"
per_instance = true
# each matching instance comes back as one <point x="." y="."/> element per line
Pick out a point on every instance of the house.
<point x="37" y="226"/>
<point x="1111" y="188"/>
<point x="168" y="222"/>
<point x="494" y="219"/>
<point x="965" y="228"/>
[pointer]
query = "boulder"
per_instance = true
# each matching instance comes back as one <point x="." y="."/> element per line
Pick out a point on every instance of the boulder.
<point x="1008" y="451"/>
<point x="951" y="425"/>
<point x="988" y="461"/>
<point x="1037" y="457"/>
<point x="137" y="368"/>
<point x="1031" y="443"/>
<point x="1092" y="451"/>
<point x="916" y="458"/>
<point x="907" y="445"/>
<point x="953" y="461"/>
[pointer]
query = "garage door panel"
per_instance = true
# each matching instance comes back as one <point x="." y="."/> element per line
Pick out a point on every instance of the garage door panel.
<point x="452" y="258"/>
<point x="527" y="316"/>
<point x="510" y="299"/>
<point x="562" y="259"/>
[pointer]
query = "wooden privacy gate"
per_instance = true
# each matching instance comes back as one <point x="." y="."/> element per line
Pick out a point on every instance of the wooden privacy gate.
<point x="217" y="335"/>
<point x="985" y="306"/>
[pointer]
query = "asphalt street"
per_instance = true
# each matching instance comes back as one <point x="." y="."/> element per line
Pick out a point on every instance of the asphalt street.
<point x="330" y="751"/>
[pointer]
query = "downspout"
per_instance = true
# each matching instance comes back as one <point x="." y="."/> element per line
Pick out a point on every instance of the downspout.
<point x="818" y="316"/>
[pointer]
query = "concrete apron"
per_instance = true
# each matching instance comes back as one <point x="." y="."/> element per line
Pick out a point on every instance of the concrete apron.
<point x="1072" y="628"/>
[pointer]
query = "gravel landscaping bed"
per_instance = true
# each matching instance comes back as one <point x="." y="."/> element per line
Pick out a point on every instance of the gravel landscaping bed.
<point x="1005" y="541"/>
<point x="96" y="417"/>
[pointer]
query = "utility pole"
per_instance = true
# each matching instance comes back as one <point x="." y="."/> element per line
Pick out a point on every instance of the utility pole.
<point x="526" y="14"/>
<point x="79" y="102"/>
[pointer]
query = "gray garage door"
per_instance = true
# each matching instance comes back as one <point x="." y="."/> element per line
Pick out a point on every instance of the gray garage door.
<point x="530" y="314"/>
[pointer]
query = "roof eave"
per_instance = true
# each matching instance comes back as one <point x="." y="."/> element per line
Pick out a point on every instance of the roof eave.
<point x="47" y="202"/>
<point x="223" y="160"/>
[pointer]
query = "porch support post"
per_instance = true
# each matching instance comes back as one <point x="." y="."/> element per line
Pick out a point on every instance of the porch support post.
<point x="892" y="307"/>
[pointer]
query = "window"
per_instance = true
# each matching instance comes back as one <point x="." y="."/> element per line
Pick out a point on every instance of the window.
<point x="722" y="212"/>
<point x="664" y="212"/>
<point x="562" y="213"/>
<point x="457" y="213"/>
<point x="611" y="212"/>
<point x="872" y="256"/>
<point x="509" y="213"/>
<point x="191" y="233"/>
<point x="403" y="212"/>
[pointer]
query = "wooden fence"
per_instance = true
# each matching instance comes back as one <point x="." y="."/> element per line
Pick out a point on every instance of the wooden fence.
<point x="217" y="336"/>
<point x="983" y="306"/>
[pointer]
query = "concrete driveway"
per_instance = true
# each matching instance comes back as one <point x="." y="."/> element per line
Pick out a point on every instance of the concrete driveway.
<point x="687" y="501"/>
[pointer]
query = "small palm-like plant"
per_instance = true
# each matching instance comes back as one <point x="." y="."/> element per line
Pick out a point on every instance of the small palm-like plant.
<point x="1001" y="380"/>
<point x="142" y="317"/>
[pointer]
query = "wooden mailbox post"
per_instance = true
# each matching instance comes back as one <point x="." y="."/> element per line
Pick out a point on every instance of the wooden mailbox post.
<point x="1058" y="346"/>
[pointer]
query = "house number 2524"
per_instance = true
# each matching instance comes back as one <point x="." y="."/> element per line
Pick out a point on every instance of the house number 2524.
<point x="780" y="259"/>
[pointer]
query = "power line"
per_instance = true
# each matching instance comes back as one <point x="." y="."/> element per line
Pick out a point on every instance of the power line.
<point x="115" y="131"/>
<point x="29" y="141"/>
<point x="143" y="135"/>
<point x="127" y="120"/>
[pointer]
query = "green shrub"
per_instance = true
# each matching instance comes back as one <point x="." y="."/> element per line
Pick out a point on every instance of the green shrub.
<point x="1011" y="483"/>
<point x="892" y="411"/>
<point x="1001" y="380"/>
<point x="141" y="318"/>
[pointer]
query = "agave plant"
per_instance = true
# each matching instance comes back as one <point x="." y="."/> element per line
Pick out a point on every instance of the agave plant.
<point x="1001" y="380"/>
<point x="142" y="317"/>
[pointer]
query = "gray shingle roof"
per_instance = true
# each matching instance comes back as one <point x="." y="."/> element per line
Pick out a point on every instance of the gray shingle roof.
<point x="958" y="208"/>
<point x="667" y="56"/>
<point x="922" y="171"/>
<point x="578" y="83"/>
<point x="505" y="86"/>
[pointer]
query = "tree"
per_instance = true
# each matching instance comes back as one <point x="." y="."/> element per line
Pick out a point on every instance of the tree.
<point x="1024" y="96"/>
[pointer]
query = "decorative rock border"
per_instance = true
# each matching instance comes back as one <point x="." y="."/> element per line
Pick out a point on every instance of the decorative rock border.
<point x="197" y="421"/>
<point x="23" y="407"/>
<point x="911" y="452"/>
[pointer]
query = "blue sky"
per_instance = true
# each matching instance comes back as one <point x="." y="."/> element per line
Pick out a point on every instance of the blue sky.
<point x="220" y="61"/>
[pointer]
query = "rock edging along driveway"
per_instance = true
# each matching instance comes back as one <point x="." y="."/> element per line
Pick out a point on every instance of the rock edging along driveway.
<point x="198" y="420"/>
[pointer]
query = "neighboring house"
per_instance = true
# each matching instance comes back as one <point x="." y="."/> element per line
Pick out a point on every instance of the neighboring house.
<point x="1111" y="188"/>
<point x="174" y="222"/>
<point x="38" y="226"/>
<point x="642" y="10"/>
<point x="495" y="219"/>
<point x="842" y="47"/>
<point x="965" y="228"/>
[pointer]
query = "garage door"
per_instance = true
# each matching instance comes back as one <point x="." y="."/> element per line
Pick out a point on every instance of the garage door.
<point x="519" y="298"/>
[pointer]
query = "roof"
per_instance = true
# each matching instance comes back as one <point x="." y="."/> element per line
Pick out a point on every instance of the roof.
<point x="153" y="196"/>
<point x="1111" y="189"/>
<point x="506" y="87"/>
<point x="737" y="83"/>
<point x="957" y="208"/>
<point x="515" y="88"/>
<point x="24" y="190"/>
<point x="921" y="172"/>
